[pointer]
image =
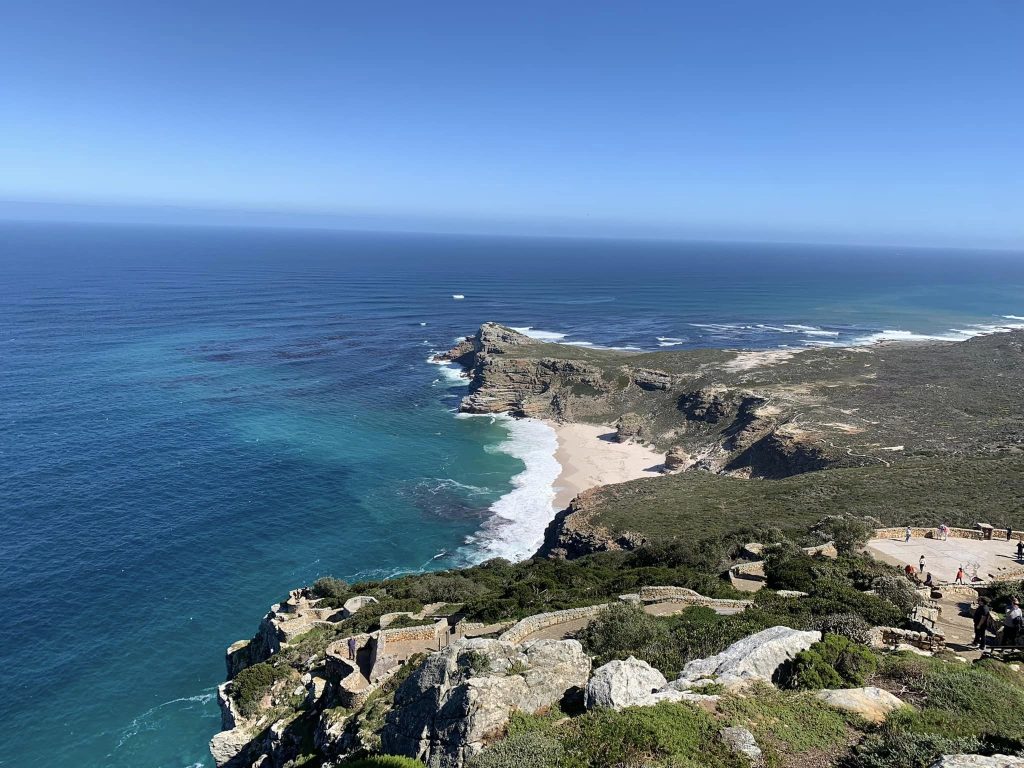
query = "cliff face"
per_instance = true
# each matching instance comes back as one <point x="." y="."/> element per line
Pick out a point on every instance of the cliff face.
<point x="767" y="415"/>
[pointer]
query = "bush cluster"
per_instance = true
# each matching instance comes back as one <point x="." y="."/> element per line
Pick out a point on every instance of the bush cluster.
<point x="253" y="683"/>
<point x="835" y="662"/>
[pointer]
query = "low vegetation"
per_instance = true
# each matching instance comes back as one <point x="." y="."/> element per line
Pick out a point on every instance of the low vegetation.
<point x="921" y="491"/>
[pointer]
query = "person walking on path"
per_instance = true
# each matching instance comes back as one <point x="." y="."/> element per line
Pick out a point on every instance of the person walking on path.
<point x="1012" y="622"/>
<point x="906" y="534"/>
<point x="982" y="614"/>
<point x="351" y="648"/>
<point x="920" y="564"/>
<point x="1020" y="550"/>
<point x="959" y="575"/>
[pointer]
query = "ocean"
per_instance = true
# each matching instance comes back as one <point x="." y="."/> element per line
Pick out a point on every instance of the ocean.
<point x="195" y="420"/>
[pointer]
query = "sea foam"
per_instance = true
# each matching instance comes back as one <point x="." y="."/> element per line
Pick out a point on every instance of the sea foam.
<point x="516" y="527"/>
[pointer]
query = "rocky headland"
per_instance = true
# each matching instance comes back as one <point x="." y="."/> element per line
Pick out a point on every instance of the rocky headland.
<point x="631" y="606"/>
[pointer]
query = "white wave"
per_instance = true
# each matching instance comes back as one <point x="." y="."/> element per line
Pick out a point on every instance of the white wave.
<point x="422" y="323"/>
<point x="516" y="527"/>
<point x="139" y="723"/>
<point x="447" y="482"/>
<point x="1012" y="317"/>
<point x="536" y="333"/>
<point x="668" y="341"/>
<point x="953" y="334"/>
<point x="450" y="372"/>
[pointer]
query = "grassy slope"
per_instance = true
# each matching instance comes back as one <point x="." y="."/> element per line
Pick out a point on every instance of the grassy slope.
<point x="927" y="492"/>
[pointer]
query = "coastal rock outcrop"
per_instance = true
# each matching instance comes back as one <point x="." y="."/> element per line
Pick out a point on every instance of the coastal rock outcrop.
<point x="623" y="683"/>
<point x="447" y="708"/>
<point x="757" y="657"/>
<point x="677" y="459"/>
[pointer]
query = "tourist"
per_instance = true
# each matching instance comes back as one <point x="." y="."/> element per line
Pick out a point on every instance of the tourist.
<point x="921" y="564"/>
<point x="1012" y="622"/>
<point x="909" y="570"/>
<point x="351" y="647"/>
<point x="1020" y="549"/>
<point x="928" y="580"/>
<point x="906" y="534"/>
<point x="959" y="575"/>
<point x="982" y="616"/>
<point x="945" y="531"/>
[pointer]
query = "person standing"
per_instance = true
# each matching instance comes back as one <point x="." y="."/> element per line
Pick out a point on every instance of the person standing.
<point x="1020" y="550"/>
<point x="906" y="534"/>
<point x="920" y="564"/>
<point x="959" y="575"/>
<point x="351" y="648"/>
<point x="981" y="618"/>
<point x="1012" y="622"/>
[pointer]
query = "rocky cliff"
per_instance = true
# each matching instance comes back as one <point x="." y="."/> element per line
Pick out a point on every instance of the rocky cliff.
<point x="765" y="414"/>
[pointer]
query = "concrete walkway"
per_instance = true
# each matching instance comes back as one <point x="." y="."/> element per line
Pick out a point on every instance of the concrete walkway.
<point x="986" y="559"/>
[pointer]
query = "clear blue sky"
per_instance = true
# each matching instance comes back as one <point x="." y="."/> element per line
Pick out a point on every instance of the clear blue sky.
<point x="874" y="121"/>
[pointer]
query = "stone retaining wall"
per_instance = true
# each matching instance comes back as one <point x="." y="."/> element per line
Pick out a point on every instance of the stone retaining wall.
<point x="523" y="629"/>
<point x="688" y="597"/>
<point x="998" y="534"/>
<point x="891" y="637"/>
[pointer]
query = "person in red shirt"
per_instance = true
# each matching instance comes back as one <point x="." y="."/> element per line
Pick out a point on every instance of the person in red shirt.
<point x="959" y="575"/>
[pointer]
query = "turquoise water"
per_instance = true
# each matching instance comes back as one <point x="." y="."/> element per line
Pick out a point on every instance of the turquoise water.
<point x="194" y="421"/>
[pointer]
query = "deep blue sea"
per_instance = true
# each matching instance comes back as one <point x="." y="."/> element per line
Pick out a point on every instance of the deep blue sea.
<point x="194" y="421"/>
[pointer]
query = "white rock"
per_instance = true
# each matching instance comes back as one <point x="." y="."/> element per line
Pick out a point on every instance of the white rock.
<point x="227" y="744"/>
<point x="740" y="741"/>
<point x="978" y="761"/>
<point x="620" y="684"/>
<point x="757" y="657"/>
<point x="873" y="704"/>
<point x="445" y="712"/>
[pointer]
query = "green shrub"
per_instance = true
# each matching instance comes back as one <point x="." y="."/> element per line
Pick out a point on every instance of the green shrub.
<point x="253" y="683"/>
<point x="847" y="533"/>
<point x="789" y="568"/>
<point x="530" y="749"/>
<point x="625" y="630"/>
<point x="664" y="734"/>
<point x="898" y="591"/>
<point x="474" y="663"/>
<point x="384" y="761"/>
<point x="330" y="587"/>
<point x="893" y="748"/>
<point x="848" y="625"/>
<point x="835" y="662"/>
<point x="984" y="699"/>
<point x="785" y="722"/>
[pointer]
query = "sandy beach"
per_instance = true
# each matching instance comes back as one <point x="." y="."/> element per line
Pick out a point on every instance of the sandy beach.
<point x="589" y="456"/>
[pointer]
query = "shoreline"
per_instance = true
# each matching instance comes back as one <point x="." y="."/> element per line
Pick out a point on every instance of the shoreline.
<point x="589" y="457"/>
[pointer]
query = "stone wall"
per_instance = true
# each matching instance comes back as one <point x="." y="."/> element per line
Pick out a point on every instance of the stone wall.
<point x="687" y="596"/>
<point x="891" y="637"/>
<point x="523" y="629"/>
<point x="998" y="534"/>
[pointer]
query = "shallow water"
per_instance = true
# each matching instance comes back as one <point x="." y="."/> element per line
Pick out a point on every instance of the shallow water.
<point x="194" y="421"/>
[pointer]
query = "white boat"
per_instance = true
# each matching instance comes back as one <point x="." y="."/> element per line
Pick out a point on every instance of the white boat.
<point x="458" y="296"/>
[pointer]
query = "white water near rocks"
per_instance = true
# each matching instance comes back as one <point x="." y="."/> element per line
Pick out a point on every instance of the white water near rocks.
<point x="516" y="527"/>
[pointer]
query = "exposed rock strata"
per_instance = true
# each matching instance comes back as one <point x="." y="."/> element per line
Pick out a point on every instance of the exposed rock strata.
<point x="462" y="695"/>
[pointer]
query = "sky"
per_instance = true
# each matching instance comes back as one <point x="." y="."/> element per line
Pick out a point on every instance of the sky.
<point x="867" y="121"/>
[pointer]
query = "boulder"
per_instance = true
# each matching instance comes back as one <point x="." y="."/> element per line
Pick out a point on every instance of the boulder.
<point x="757" y="657"/>
<point x="630" y="426"/>
<point x="872" y="704"/>
<point x="741" y="742"/>
<point x="446" y="710"/>
<point x="677" y="459"/>
<point x="620" y="684"/>
<point x="227" y="745"/>
<point x="978" y="761"/>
